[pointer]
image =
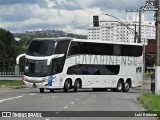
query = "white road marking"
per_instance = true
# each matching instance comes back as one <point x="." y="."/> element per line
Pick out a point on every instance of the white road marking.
<point x="72" y="102"/>
<point x="66" y="107"/>
<point x="77" y="99"/>
<point x="49" y="97"/>
<point x="10" y="98"/>
<point x="57" y="112"/>
<point x="32" y="94"/>
<point x="47" y="119"/>
<point x="135" y="98"/>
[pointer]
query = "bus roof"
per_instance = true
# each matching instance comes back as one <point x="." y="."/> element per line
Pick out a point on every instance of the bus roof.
<point x="109" y="42"/>
<point x="90" y="41"/>
<point x="55" y="39"/>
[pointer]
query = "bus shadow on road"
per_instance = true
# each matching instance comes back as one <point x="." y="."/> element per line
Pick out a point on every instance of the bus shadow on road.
<point x="132" y="91"/>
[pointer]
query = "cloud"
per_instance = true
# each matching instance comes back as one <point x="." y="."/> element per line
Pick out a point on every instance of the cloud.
<point x="64" y="4"/>
<point x="11" y="2"/>
<point x="102" y="4"/>
<point x="67" y="15"/>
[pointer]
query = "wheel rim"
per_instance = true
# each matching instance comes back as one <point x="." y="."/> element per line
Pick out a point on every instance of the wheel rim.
<point x="119" y="86"/>
<point x="126" y="86"/>
<point x="78" y="85"/>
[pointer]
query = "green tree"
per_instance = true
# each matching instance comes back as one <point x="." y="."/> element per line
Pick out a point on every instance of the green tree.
<point x="9" y="49"/>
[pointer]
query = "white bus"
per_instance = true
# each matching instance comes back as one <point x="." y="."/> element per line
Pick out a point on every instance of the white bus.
<point x="66" y="63"/>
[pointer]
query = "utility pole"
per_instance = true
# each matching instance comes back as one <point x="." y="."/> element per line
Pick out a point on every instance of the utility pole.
<point x="139" y="37"/>
<point x="157" y="67"/>
<point x="140" y="21"/>
<point x="135" y="39"/>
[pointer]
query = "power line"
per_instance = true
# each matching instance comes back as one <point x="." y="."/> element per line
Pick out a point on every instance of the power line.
<point x="138" y="4"/>
<point x="134" y="4"/>
<point x="79" y="28"/>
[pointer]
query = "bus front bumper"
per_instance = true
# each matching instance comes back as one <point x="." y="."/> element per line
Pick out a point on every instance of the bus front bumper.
<point x="40" y="83"/>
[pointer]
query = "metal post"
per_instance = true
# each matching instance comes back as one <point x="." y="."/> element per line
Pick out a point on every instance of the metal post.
<point x="144" y="59"/>
<point x="157" y="67"/>
<point x="139" y="40"/>
<point x="135" y="39"/>
<point x="140" y="12"/>
<point x="17" y="70"/>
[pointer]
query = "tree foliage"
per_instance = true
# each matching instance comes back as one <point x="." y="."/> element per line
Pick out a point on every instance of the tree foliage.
<point x="9" y="49"/>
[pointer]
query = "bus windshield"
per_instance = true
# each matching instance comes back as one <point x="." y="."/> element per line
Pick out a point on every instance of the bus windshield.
<point x="41" y="48"/>
<point x="36" y="68"/>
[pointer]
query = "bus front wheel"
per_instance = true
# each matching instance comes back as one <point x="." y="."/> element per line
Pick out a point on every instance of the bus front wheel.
<point x="41" y="90"/>
<point x="76" y="85"/>
<point x="51" y="90"/>
<point x="66" y="86"/>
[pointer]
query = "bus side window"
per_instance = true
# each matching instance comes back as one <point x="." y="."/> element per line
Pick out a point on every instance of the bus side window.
<point x="57" y="65"/>
<point x="62" y="47"/>
<point x="97" y="72"/>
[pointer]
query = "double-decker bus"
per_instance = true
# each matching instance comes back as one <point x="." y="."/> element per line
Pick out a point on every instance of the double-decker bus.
<point x="67" y="63"/>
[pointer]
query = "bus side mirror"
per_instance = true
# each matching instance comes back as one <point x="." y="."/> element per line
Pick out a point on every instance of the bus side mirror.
<point x="18" y="57"/>
<point x="17" y="63"/>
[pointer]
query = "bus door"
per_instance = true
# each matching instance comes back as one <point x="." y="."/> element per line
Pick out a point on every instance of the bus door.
<point x="56" y="68"/>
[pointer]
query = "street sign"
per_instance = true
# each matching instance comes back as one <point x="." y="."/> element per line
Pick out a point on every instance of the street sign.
<point x="150" y="3"/>
<point x="148" y="8"/>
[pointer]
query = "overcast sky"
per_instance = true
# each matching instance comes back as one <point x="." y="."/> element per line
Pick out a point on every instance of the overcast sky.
<point x="68" y="15"/>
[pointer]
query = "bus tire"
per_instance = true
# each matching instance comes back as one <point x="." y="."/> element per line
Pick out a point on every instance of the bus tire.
<point x="66" y="86"/>
<point x="41" y="90"/>
<point x="119" y="86"/>
<point x="76" y="85"/>
<point x="51" y="90"/>
<point x="126" y="87"/>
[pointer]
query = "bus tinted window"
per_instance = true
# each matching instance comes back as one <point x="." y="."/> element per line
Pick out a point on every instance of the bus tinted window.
<point x="62" y="47"/>
<point x="77" y="48"/>
<point x="74" y="48"/>
<point x="93" y="69"/>
<point x="41" y="48"/>
<point x="90" y="48"/>
<point x="130" y="50"/>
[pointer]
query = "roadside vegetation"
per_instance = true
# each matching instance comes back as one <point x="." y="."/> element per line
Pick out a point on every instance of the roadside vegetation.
<point x="16" y="84"/>
<point x="151" y="102"/>
<point x="10" y="48"/>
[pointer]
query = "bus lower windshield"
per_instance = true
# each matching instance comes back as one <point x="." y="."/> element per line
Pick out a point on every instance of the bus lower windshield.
<point x="36" y="68"/>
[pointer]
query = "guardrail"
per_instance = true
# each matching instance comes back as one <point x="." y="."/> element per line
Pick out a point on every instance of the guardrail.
<point x="11" y="74"/>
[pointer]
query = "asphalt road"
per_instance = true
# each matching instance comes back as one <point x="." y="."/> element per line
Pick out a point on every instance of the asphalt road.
<point x="85" y="100"/>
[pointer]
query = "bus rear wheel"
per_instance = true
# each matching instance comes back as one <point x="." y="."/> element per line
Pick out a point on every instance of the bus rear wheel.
<point x="126" y="87"/>
<point x="119" y="86"/>
<point x="41" y="90"/>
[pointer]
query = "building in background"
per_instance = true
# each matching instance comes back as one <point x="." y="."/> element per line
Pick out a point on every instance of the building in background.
<point x="122" y="31"/>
